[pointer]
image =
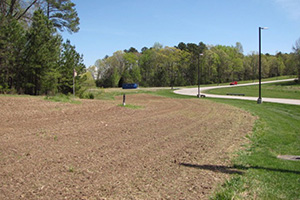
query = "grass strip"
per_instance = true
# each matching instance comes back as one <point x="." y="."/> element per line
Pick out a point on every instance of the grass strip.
<point x="276" y="132"/>
<point x="287" y="90"/>
<point x="243" y="82"/>
<point x="61" y="98"/>
<point x="131" y="106"/>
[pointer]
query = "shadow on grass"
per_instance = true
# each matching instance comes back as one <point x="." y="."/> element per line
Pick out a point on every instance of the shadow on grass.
<point x="288" y="83"/>
<point x="236" y="169"/>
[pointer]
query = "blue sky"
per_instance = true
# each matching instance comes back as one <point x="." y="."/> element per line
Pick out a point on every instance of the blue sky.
<point x="110" y="25"/>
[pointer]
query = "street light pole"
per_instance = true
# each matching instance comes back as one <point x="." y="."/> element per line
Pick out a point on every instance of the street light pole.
<point x="74" y="75"/>
<point x="199" y="95"/>
<point x="259" y="100"/>
<point x="172" y="81"/>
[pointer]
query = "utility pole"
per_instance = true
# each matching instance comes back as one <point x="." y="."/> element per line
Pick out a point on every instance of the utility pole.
<point x="259" y="100"/>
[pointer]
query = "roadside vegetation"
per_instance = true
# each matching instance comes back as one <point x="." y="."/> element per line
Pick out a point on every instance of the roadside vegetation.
<point x="288" y="90"/>
<point x="247" y="81"/>
<point x="110" y="93"/>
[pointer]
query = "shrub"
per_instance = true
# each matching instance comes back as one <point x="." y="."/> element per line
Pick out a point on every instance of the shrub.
<point x="86" y="95"/>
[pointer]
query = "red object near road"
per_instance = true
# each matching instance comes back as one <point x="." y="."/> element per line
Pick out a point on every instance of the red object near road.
<point x="233" y="83"/>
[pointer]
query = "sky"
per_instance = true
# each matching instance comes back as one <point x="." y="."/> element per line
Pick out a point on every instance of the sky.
<point x="107" y="26"/>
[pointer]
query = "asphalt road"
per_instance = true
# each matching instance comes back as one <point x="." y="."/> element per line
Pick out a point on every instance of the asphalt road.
<point x="194" y="92"/>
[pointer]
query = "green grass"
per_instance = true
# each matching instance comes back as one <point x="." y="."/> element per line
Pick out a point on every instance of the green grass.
<point x="288" y="90"/>
<point x="242" y="82"/>
<point x="61" y="98"/>
<point x="19" y="95"/>
<point x="110" y="93"/>
<point x="276" y="132"/>
<point x="131" y="106"/>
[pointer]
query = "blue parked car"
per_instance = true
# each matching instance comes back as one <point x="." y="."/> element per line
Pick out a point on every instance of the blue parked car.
<point x="129" y="86"/>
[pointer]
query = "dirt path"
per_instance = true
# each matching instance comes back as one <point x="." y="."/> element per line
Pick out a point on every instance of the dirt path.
<point x="97" y="150"/>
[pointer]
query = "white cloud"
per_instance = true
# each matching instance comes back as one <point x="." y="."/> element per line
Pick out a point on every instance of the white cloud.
<point x="291" y="7"/>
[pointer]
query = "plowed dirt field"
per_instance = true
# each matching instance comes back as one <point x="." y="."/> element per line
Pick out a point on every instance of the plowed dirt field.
<point x="168" y="149"/>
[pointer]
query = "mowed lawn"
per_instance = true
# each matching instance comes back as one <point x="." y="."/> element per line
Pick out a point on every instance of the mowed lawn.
<point x="287" y="90"/>
<point x="276" y="132"/>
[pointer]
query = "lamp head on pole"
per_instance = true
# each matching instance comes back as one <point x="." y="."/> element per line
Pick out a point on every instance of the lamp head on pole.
<point x="264" y="28"/>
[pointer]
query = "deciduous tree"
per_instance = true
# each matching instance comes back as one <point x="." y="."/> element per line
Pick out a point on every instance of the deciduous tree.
<point x="296" y="49"/>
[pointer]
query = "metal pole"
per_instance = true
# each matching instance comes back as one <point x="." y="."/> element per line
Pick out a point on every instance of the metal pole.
<point x="74" y="82"/>
<point x="172" y="81"/>
<point x="259" y="100"/>
<point x="124" y="99"/>
<point x="198" y="95"/>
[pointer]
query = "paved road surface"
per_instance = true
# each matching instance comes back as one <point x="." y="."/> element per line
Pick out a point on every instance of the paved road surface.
<point x="194" y="92"/>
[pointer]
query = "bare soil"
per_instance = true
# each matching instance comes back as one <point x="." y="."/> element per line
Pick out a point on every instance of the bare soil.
<point x="168" y="149"/>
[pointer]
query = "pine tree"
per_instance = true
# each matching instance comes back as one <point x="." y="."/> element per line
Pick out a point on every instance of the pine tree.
<point x="70" y="61"/>
<point x="63" y="15"/>
<point x="41" y="56"/>
<point x="12" y="42"/>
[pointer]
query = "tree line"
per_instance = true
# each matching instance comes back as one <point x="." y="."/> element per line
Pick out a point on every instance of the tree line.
<point x="35" y="60"/>
<point x="33" y="57"/>
<point x="170" y="66"/>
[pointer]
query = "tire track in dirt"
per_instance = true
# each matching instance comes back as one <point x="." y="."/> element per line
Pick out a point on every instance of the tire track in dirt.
<point x="97" y="150"/>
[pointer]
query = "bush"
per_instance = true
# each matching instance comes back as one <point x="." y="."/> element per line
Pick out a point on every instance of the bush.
<point x="87" y="95"/>
<point x="5" y="90"/>
<point x="91" y="96"/>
